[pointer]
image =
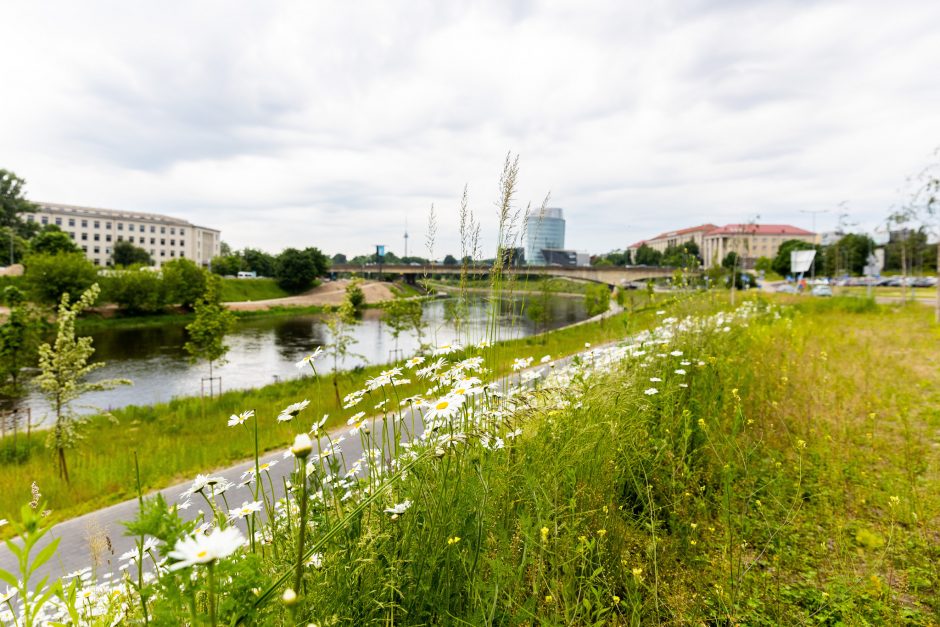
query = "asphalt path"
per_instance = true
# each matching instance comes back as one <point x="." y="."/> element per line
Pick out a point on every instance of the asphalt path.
<point x="77" y="534"/>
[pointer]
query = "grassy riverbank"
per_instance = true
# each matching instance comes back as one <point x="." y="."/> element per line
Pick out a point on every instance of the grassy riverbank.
<point x="771" y="465"/>
<point x="530" y="283"/>
<point x="177" y="439"/>
<point x="238" y="290"/>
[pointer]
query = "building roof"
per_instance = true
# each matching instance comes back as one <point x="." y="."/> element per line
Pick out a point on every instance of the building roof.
<point x="112" y="213"/>
<point x="759" y="229"/>
<point x="693" y="229"/>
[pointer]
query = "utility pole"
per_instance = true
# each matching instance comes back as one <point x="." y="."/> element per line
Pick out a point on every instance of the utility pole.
<point x="815" y="238"/>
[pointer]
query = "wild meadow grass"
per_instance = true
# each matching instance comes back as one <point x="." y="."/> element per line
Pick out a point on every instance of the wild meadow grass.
<point x="177" y="439"/>
<point x="774" y="464"/>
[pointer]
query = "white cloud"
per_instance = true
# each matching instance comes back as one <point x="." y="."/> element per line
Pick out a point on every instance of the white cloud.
<point x="328" y="124"/>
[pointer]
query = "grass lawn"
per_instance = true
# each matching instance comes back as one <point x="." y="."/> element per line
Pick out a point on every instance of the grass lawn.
<point x="237" y="290"/>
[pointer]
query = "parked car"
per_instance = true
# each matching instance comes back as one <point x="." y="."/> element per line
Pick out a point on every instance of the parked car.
<point x="822" y="290"/>
<point x="787" y="288"/>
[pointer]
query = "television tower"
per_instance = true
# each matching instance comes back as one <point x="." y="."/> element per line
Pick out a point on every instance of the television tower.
<point x="406" y="238"/>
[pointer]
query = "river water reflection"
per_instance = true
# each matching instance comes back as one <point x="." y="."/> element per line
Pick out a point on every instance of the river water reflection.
<point x="264" y="350"/>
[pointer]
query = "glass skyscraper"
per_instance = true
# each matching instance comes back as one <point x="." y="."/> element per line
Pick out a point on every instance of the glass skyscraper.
<point x="544" y="229"/>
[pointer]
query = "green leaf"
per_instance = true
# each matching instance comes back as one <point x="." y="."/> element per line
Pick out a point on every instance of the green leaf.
<point x="44" y="555"/>
<point x="9" y="578"/>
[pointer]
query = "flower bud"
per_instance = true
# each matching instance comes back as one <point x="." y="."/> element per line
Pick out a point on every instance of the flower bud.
<point x="302" y="446"/>
<point x="289" y="597"/>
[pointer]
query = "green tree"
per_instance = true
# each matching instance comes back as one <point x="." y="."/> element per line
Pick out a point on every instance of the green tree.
<point x="13" y="247"/>
<point x="596" y="299"/>
<point x="19" y="340"/>
<point x="400" y="315"/>
<point x="295" y="270"/>
<point x="63" y="369"/>
<point x="849" y="254"/>
<point x="647" y="256"/>
<point x="137" y="290"/>
<point x="126" y="254"/>
<point x="13" y="204"/>
<point x="228" y="265"/>
<point x="208" y="330"/>
<point x="450" y="260"/>
<point x="355" y="296"/>
<point x="48" y="277"/>
<point x="764" y="264"/>
<point x="52" y="240"/>
<point x="681" y="256"/>
<point x="185" y="282"/>
<point x="321" y="262"/>
<point x="339" y="258"/>
<point x="781" y="263"/>
<point x="341" y="323"/>
<point x="259" y="262"/>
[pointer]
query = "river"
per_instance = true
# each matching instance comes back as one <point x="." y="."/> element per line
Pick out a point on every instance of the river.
<point x="265" y="349"/>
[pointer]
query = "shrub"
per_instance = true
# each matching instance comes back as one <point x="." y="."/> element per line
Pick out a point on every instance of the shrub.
<point x="48" y="277"/>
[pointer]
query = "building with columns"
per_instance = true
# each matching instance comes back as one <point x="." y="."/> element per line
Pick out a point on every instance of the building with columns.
<point x="749" y="241"/>
<point x="96" y="231"/>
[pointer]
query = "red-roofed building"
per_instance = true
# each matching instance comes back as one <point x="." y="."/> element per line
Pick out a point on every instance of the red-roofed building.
<point x="750" y="241"/>
<point x="674" y="238"/>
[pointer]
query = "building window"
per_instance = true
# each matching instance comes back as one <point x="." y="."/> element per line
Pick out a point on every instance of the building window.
<point x="182" y="231"/>
<point x="172" y="253"/>
<point x="84" y="224"/>
<point x="96" y="262"/>
<point x="163" y="242"/>
<point x="29" y="217"/>
<point x="172" y="242"/>
<point x="97" y="237"/>
<point x="107" y="225"/>
<point x="97" y="224"/>
<point x="97" y="249"/>
<point x="71" y="221"/>
<point x="84" y="237"/>
<point x="120" y="226"/>
<point x="85" y="249"/>
<point x="163" y="253"/>
<point x="162" y="229"/>
<point x="172" y="231"/>
<point x="72" y="234"/>
<point x="44" y="219"/>
<point x="153" y="252"/>
<point x="120" y="238"/>
<point x="130" y="238"/>
<point x="153" y="240"/>
<point x="153" y="229"/>
<point x="182" y="255"/>
<point x="107" y="237"/>
<point x="182" y="243"/>
<point x="58" y="221"/>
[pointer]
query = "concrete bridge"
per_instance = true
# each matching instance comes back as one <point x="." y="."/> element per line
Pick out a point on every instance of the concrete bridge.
<point x="609" y="275"/>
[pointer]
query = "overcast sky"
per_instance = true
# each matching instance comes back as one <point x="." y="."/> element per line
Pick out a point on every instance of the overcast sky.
<point x="332" y="123"/>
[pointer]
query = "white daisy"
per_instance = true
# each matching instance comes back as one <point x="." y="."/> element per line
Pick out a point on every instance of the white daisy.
<point x="290" y="412"/>
<point x="202" y="549"/>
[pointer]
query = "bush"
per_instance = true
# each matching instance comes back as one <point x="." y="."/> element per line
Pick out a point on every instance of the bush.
<point x="47" y="277"/>
<point x="296" y="270"/>
<point x="137" y="290"/>
<point x="596" y="299"/>
<point x="126" y="254"/>
<point x="185" y="282"/>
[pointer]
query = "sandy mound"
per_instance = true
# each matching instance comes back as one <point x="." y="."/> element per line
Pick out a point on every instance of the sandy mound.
<point x="329" y="293"/>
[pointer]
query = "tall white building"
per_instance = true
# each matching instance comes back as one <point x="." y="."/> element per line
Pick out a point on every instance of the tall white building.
<point x="543" y="230"/>
<point x="96" y="231"/>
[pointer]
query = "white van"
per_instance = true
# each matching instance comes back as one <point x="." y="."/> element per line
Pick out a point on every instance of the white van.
<point x="247" y="275"/>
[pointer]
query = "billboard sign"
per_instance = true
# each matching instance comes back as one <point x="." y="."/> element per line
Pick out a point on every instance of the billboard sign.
<point x="801" y="260"/>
